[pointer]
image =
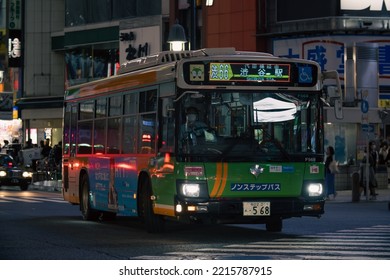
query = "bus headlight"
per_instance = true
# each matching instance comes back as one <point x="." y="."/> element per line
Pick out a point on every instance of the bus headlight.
<point x="314" y="189"/>
<point x="3" y="173"/>
<point x="192" y="189"/>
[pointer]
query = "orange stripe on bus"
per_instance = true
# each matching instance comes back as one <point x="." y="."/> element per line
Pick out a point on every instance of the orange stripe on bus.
<point x="118" y="83"/>
<point x="161" y="209"/>
<point x="224" y="176"/>
<point x="217" y="180"/>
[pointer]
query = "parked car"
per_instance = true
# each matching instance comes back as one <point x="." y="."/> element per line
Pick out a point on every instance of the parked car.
<point x="13" y="175"/>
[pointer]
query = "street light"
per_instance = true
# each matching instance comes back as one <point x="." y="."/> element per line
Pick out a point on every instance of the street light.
<point x="177" y="37"/>
<point x="209" y="2"/>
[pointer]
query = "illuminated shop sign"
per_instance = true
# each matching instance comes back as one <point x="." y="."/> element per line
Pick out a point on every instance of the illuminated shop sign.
<point x="15" y="48"/>
<point x="365" y="7"/>
<point x="15" y="14"/>
<point x="372" y="5"/>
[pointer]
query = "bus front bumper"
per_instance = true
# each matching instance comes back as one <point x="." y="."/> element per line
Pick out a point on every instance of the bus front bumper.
<point x="232" y="211"/>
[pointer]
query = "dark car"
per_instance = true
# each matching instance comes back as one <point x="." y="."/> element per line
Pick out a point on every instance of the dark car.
<point x="13" y="175"/>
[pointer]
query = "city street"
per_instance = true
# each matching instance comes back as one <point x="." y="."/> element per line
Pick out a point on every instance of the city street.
<point x="118" y="119"/>
<point x="40" y="225"/>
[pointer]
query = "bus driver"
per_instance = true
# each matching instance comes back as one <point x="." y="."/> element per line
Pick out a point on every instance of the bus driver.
<point x="193" y="128"/>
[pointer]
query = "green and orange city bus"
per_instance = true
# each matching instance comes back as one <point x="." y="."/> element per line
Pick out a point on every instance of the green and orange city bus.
<point x="257" y="157"/>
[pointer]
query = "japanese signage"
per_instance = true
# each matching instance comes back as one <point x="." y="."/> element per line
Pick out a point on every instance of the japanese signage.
<point x="249" y="72"/>
<point x="15" y="14"/>
<point x="15" y="33"/>
<point x="139" y="42"/>
<point x="15" y="48"/>
<point x="365" y="7"/>
<point x="328" y="51"/>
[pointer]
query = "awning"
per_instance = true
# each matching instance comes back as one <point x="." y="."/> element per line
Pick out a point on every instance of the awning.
<point x="40" y="102"/>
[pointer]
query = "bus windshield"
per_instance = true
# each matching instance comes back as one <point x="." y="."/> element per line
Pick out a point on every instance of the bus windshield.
<point x="249" y="126"/>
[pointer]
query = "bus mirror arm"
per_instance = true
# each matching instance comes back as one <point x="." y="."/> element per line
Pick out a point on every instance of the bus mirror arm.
<point x="338" y="100"/>
<point x="184" y="93"/>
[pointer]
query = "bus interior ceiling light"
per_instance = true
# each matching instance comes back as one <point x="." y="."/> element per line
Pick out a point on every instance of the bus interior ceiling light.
<point x="177" y="37"/>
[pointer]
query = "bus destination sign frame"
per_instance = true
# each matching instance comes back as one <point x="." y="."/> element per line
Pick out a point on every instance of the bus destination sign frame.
<point x="251" y="72"/>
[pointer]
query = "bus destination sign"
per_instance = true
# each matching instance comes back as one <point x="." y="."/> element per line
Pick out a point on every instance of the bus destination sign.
<point x="249" y="72"/>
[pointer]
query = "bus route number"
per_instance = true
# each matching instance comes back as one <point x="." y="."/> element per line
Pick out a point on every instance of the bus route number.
<point x="256" y="208"/>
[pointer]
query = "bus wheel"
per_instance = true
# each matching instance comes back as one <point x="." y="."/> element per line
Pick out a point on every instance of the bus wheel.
<point x="154" y="223"/>
<point x="274" y="225"/>
<point x="85" y="205"/>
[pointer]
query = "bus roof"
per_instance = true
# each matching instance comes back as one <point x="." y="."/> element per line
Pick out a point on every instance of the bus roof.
<point x="173" y="56"/>
<point x="155" y="68"/>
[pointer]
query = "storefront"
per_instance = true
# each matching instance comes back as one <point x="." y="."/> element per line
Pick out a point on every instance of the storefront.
<point x="10" y="130"/>
<point x="42" y="119"/>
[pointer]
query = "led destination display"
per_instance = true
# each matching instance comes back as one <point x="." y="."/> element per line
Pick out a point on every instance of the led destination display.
<point x="251" y="72"/>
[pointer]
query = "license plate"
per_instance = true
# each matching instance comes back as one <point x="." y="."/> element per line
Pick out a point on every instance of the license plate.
<point x="256" y="208"/>
<point x="14" y="181"/>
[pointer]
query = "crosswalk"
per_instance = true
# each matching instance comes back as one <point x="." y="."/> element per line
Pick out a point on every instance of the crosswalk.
<point x="30" y="199"/>
<point x="362" y="243"/>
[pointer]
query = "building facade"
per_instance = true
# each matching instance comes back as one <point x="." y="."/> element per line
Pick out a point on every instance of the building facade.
<point x="67" y="42"/>
<point x="351" y="37"/>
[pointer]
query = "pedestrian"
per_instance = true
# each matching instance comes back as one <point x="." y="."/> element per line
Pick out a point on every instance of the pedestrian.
<point x="372" y="162"/>
<point x="57" y="153"/>
<point x="330" y="170"/>
<point x="6" y="145"/>
<point x="29" y="144"/>
<point x="374" y="154"/>
<point x="46" y="149"/>
<point x="384" y="157"/>
<point x="383" y="153"/>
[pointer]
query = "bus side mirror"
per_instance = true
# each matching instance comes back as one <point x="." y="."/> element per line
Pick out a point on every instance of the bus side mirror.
<point x="167" y="108"/>
<point x="337" y="98"/>
<point x="338" y="109"/>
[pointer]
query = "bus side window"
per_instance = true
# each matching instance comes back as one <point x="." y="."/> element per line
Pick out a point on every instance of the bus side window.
<point x="114" y="128"/>
<point x="167" y="127"/>
<point x="84" y="149"/>
<point x="84" y="141"/>
<point x="167" y="135"/>
<point x="129" y="132"/>
<point x="99" y="137"/>
<point x="147" y="135"/>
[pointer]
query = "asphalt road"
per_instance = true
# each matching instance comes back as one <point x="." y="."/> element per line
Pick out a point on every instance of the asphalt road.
<point x="38" y="225"/>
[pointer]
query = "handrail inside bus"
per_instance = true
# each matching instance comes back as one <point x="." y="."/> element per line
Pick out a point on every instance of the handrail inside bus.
<point x="186" y="92"/>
